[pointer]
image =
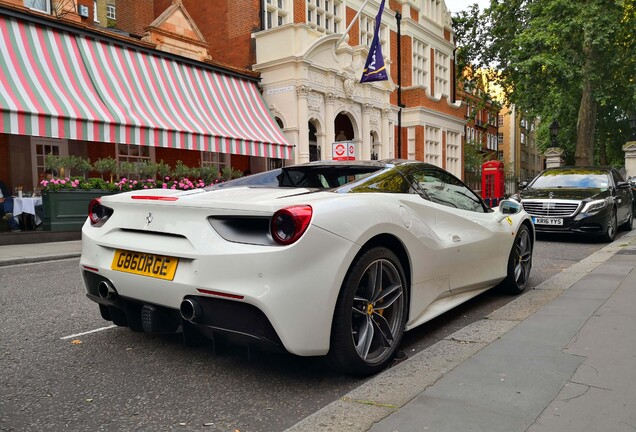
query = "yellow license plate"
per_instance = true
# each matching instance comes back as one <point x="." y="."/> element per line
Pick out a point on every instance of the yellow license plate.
<point x="156" y="266"/>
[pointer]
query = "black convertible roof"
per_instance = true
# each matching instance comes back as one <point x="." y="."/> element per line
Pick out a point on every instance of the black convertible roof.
<point x="357" y="163"/>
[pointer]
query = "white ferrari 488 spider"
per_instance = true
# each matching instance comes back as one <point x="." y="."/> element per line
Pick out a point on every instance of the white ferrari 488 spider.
<point x="332" y="259"/>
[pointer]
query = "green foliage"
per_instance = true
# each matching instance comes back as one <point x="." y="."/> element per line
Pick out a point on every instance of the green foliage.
<point x="69" y="163"/>
<point x="147" y="169"/>
<point x="84" y="166"/>
<point x="132" y="175"/>
<point x="229" y="173"/>
<point x="96" y="183"/>
<point x="195" y="172"/>
<point x="209" y="173"/>
<point x="163" y="169"/>
<point x="127" y="169"/>
<point x="105" y="165"/>
<point x="573" y="61"/>
<point x="181" y="170"/>
<point x="52" y="162"/>
<point x="473" y="156"/>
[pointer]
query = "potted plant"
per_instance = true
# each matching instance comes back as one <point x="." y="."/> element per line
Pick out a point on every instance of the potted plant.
<point x="65" y="201"/>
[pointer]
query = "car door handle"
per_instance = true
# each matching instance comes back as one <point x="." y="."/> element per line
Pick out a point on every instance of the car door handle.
<point x="455" y="238"/>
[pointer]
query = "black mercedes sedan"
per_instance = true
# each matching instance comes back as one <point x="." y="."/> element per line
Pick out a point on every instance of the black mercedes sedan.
<point x="589" y="200"/>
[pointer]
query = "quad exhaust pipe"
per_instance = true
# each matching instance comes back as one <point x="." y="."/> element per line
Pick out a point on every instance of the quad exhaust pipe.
<point x="190" y="310"/>
<point x="106" y="291"/>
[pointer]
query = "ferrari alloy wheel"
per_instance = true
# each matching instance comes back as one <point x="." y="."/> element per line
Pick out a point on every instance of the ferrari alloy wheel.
<point x="519" y="263"/>
<point x="370" y="314"/>
<point x="610" y="233"/>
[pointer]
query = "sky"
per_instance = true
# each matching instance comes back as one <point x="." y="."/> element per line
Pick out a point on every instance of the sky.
<point x="455" y="6"/>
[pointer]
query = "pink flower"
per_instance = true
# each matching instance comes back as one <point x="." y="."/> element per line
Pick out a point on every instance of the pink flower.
<point x="165" y="186"/>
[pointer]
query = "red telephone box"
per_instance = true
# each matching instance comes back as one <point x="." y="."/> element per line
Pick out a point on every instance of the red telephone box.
<point x="492" y="182"/>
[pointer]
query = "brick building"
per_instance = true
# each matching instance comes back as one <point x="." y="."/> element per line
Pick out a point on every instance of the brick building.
<point x="309" y="77"/>
<point x="518" y="145"/>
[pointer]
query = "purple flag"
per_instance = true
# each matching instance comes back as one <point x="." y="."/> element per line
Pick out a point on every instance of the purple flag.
<point x="374" y="68"/>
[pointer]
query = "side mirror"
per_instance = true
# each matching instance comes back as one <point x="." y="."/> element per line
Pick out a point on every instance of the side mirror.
<point x="523" y="185"/>
<point x="509" y="207"/>
<point x="622" y="184"/>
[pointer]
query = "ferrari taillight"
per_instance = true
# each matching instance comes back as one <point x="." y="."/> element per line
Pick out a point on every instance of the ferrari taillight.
<point x="289" y="224"/>
<point x="98" y="214"/>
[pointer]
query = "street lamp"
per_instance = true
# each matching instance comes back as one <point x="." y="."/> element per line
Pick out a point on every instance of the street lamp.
<point x="554" y="131"/>
<point x="632" y="124"/>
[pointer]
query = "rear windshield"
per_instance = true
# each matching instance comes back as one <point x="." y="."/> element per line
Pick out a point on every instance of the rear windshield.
<point x="314" y="177"/>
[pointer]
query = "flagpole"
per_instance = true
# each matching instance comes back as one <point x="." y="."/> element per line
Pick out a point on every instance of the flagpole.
<point x="355" y="18"/>
<point x="398" y="18"/>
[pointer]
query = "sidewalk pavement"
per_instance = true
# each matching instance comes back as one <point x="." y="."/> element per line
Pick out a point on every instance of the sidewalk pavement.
<point x="35" y="252"/>
<point x="559" y="358"/>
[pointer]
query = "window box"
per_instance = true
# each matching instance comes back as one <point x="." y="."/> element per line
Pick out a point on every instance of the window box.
<point x="67" y="210"/>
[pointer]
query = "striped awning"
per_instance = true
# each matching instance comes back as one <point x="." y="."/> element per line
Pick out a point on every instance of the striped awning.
<point x="63" y="85"/>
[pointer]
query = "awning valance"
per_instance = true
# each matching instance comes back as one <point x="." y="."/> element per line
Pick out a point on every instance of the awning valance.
<point x="64" y="85"/>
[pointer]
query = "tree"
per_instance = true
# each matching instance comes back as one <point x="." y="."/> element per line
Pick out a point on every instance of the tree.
<point x="564" y="59"/>
<point x="471" y="72"/>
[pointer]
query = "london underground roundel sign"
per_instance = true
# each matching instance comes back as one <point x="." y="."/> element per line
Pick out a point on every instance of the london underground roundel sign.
<point x="343" y="150"/>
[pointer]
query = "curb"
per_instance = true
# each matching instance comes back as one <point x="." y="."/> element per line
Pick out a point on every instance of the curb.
<point x="34" y="253"/>
<point x="29" y="260"/>
<point x="387" y="392"/>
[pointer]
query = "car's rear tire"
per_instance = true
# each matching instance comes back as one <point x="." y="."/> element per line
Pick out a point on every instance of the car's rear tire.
<point x="519" y="263"/>
<point x="610" y="231"/>
<point x="370" y="314"/>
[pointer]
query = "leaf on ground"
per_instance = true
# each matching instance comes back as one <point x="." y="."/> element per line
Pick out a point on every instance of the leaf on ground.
<point x="76" y="341"/>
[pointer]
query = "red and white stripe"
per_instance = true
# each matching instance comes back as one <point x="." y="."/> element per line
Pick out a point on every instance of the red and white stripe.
<point x="62" y="85"/>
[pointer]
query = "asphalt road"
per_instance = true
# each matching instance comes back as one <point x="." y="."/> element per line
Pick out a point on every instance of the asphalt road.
<point x="56" y="378"/>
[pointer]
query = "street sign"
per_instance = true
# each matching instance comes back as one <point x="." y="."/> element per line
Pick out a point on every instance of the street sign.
<point x="343" y="150"/>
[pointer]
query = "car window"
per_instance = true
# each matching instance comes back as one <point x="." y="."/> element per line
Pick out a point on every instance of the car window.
<point x="264" y="179"/>
<point x="617" y="176"/>
<point x="389" y="181"/>
<point x="315" y="177"/>
<point x="443" y="188"/>
<point x="323" y="177"/>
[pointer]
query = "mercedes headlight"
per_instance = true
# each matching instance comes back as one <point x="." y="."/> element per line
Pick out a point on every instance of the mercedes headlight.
<point x="595" y="206"/>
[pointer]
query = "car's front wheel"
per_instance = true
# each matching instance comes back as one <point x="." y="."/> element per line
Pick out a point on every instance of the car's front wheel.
<point x="610" y="231"/>
<point x="519" y="263"/>
<point x="370" y="314"/>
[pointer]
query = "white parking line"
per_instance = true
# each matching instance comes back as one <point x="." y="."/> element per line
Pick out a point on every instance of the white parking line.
<point x="88" y="332"/>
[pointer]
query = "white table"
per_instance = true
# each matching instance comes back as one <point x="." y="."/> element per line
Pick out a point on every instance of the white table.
<point x="26" y="205"/>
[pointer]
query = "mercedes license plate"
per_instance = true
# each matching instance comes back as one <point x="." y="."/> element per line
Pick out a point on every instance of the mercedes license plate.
<point x="547" y="221"/>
